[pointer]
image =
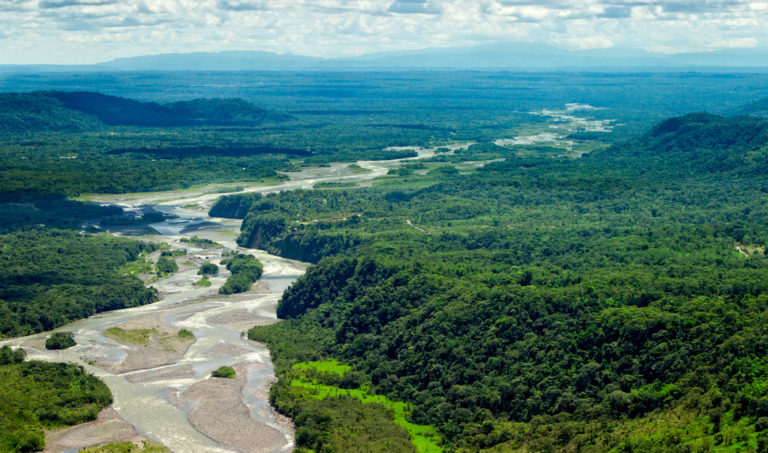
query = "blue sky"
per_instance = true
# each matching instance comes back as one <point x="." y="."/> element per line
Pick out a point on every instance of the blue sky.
<point x="89" y="31"/>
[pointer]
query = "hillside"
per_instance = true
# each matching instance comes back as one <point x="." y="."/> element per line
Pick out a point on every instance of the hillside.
<point x="81" y="111"/>
<point x="757" y="108"/>
<point x="26" y="112"/>
<point x="698" y="142"/>
<point x="538" y="305"/>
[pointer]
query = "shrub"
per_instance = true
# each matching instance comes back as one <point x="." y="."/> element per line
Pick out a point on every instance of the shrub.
<point x="186" y="333"/>
<point x="208" y="268"/>
<point x="60" y="340"/>
<point x="224" y="372"/>
<point x="166" y="266"/>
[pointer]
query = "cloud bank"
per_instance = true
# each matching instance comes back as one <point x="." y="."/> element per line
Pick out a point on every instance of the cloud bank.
<point x="89" y="31"/>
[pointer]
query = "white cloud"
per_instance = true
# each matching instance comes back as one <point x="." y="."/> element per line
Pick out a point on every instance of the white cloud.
<point x="84" y="31"/>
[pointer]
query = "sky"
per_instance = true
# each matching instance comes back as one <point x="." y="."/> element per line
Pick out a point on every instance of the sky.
<point x="91" y="31"/>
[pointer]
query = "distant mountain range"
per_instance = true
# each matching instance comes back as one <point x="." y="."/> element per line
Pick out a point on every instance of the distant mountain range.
<point x="80" y="111"/>
<point x="500" y="56"/>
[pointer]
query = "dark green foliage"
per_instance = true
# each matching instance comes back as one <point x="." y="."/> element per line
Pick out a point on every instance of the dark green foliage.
<point x="226" y="372"/>
<point x="78" y="110"/>
<point x="54" y="212"/>
<point x="573" y="298"/>
<point x="54" y="277"/>
<point x="10" y="356"/>
<point x="22" y="112"/>
<point x="245" y="271"/>
<point x="345" y="424"/>
<point x="173" y="253"/>
<point x="60" y="340"/>
<point x="200" y="242"/>
<point x="39" y="395"/>
<point x="208" y="268"/>
<point x="697" y="143"/>
<point x="166" y="265"/>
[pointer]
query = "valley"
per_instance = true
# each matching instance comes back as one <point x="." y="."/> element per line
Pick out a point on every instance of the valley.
<point x="467" y="278"/>
<point x="164" y="393"/>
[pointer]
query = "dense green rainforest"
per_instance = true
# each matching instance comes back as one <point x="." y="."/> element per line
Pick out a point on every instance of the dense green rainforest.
<point x="38" y="395"/>
<point x="540" y="302"/>
<point x="615" y="302"/>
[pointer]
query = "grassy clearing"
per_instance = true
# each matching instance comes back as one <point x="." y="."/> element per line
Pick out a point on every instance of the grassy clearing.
<point x="126" y="447"/>
<point x="424" y="437"/>
<point x="142" y="265"/>
<point x="203" y="282"/>
<point x="143" y="337"/>
<point x="130" y="336"/>
<point x="324" y="366"/>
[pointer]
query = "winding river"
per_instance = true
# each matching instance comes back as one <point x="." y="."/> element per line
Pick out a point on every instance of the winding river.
<point x="172" y="400"/>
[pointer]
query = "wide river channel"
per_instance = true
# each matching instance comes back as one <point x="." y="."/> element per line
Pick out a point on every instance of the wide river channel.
<point x="171" y="398"/>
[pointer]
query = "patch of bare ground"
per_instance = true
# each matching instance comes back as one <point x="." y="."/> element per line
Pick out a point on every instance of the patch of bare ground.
<point x="240" y="320"/>
<point x="162" y="375"/>
<point x="108" y="427"/>
<point x="218" y="412"/>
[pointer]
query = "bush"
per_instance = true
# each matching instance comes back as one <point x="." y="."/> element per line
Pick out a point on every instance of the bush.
<point x="166" y="266"/>
<point x="208" y="268"/>
<point x="224" y="372"/>
<point x="246" y="269"/>
<point x="60" y="340"/>
<point x="186" y="333"/>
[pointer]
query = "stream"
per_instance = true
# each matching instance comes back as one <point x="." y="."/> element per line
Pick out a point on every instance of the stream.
<point x="174" y="402"/>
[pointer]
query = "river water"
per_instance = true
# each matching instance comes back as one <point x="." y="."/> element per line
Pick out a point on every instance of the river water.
<point x="152" y="398"/>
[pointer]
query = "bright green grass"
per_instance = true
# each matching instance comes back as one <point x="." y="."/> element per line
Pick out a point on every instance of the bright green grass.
<point x="126" y="447"/>
<point x="130" y="336"/>
<point x="203" y="282"/>
<point x="424" y="437"/>
<point x="325" y="366"/>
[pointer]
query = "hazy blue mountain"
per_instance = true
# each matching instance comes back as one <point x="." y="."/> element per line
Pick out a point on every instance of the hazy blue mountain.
<point x="497" y="56"/>
<point x="215" y="61"/>
<point x="757" y="108"/>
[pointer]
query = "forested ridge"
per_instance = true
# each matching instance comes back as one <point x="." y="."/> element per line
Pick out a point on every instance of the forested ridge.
<point x="541" y="305"/>
<point x="52" y="277"/>
<point x="83" y="111"/>
<point x="70" y="143"/>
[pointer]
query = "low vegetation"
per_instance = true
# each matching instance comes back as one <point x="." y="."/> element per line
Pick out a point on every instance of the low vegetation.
<point x="186" y="333"/>
<point x="146" y="446"/>
<point x="226" y="372"/>
<point x="130" y="336"/>
<point x="203" y="282"/>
